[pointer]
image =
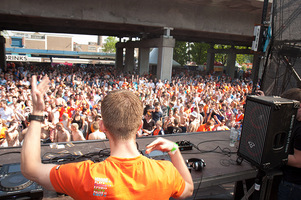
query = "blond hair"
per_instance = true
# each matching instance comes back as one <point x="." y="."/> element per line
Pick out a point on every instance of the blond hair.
<point x="122" y="112"/>
<point x="75" y="125"/>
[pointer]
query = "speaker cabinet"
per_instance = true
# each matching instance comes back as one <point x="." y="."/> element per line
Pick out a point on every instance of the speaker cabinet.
<point x="266" y="130"/>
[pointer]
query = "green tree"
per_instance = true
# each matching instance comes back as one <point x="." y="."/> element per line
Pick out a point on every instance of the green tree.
<point x="243" y="58"/>
<point x="199" y="52"/>
<point x="221" y="57"/>
<point x="109" y="46"/>
<point x="190" y="51"/>
<point x="180" y="52"/>
<point x="244" y="68"/>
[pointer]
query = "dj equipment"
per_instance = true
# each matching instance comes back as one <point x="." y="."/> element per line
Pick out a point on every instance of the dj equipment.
<point x="13" y="185"/>
<point x="266" y="131"/>
<point x="184" y="145"/>
<point x="196" y="164"/>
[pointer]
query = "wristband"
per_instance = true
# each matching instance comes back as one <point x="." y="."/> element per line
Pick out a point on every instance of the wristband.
<point x="36" y="118"/>
<point x="174" y="149"/>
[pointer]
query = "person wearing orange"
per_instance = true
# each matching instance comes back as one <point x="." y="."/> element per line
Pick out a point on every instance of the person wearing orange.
<point x="158" y="130"/>
<point x="208" y="126"/>
<point x="239" y="117"/>
<point x="71" y="108"/>
<point x="3" y="128"/>
<point x="124" y="84"/>
<point x="126" y="174"/>
<point x="205" y="108"/>
<point x="188" y="108"/>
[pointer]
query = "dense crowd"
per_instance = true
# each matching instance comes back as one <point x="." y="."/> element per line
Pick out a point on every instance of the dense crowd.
<point x="189" y="102"/>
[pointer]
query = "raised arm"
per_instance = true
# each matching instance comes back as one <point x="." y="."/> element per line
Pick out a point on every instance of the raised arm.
<point x="177" y="160"/>
<point x="31" y="165"/>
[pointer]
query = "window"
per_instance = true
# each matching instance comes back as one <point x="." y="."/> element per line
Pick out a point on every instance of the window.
<point x="16" y="42"/>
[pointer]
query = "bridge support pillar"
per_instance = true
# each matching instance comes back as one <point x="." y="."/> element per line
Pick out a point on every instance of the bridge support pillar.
<point x="119" y="58"/>
<point x="164" y="65"/>
<point x="231" y="63"/>
<point x="129" y="60"/>
<point x="143" y="61"/>
<point x="210" y="59"/>
<point x="165" y="45"/>
<point x="2" y="54"/>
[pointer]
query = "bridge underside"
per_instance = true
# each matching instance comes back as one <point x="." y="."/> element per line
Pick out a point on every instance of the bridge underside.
<point x="55" y="25"/>
<point x="156" y="23"/>
<point x="211" y="21"/>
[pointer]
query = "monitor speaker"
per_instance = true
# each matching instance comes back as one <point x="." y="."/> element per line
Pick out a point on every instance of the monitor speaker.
<point x="266" y="130"/>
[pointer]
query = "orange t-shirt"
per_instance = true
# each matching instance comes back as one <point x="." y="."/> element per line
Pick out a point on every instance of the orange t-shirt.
<point x="238" y="118"/>
<point x="188" y="111"/>
<point x="205" y="108"/>
<point x="156" y="131"/>
<point x="200" y="90"/>
<point x="118" y="178"/>
<point x="69" y="111"/>
<point x="2" y="132"/>
<point x="202" y="128"/>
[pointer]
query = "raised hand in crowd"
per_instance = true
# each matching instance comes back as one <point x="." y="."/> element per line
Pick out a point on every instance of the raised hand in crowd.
<point x="37" y="93"/>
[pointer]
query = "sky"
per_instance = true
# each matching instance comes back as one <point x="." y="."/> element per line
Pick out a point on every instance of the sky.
<point x="84" y="39"/>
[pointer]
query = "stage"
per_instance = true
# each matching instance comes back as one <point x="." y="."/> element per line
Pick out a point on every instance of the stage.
<point x="213" y="147"/>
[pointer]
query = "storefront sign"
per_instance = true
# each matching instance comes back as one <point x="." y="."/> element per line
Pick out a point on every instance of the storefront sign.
<point x="15" y="58"/>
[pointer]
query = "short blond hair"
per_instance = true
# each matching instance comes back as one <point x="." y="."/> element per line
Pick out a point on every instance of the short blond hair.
<point x="122" y="112"/>
<point x="75" y="125"/>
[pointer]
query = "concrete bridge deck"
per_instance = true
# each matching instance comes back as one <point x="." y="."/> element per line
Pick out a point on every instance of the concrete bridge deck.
<point x="218" y="21"/>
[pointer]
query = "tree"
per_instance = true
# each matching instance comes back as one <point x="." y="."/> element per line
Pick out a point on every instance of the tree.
<point x="180" y="52"/>
<point x="221" y="57"/>
<point x="199" y="52"/>
<point x="109" y="46"/>
<point x="243" y="58"/>
<point x="190" y="51"/>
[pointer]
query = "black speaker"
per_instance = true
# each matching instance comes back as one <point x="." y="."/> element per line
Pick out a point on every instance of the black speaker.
<point x="266" y="130"/>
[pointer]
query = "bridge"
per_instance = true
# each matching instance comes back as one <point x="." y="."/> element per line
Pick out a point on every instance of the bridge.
<point x="153" y="24"/>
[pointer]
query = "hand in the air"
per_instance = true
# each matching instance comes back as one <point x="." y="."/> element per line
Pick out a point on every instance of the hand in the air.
<point x="37" y="94"/>
<point x="160" y="144"/>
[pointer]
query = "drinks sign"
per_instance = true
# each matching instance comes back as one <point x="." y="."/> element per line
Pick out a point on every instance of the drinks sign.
<point x="15" y="58"/>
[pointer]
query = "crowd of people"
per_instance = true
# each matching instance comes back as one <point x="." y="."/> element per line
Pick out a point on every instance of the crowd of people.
<point x="189" y="102"/>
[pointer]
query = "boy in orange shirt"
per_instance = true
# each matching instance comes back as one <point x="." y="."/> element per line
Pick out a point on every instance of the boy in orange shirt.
<point x="126" y="174"/>
<point x="158" y="130"/>
<point x="208" y="126"/>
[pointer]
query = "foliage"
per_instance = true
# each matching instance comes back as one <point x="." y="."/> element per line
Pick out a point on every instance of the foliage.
<point x="180" y="52"/>
<point x="244" y="67"/>
<point x="190" y="52"/>
<point x="243" y="58"/>
<point x="109" y="46"/>
<point x="185" y="52"/>
<point x="199" y="52"/>
<point x="221" y="57"/>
